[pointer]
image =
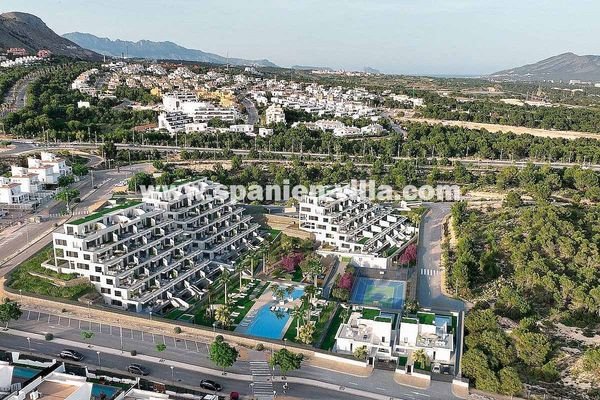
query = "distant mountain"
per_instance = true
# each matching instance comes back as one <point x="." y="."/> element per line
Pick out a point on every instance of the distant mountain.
<point x="369" y="70"/>
<point x="31" y="33"/>
<point x="563" y="67"/>
<point x="154" y="50"/>
<point x="309" y="68"/>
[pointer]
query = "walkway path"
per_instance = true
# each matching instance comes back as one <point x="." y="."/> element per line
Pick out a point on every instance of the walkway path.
<point x="262" y="383"/>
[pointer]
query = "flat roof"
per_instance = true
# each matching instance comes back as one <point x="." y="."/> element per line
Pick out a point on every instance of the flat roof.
<point x="104" y="211"/>
<point x="56" y="391"/>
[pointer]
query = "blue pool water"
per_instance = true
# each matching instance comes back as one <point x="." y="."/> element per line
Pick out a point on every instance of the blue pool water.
<point x="297" y="293"/>
<point x="24" y="372"/>
<point x="109" y="391"/>
<point x="268" y="324"/>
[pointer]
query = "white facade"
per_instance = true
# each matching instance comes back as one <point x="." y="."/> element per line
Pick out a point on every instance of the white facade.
<point x="143" y="256"/>
<point x="49" y="168"/>
<point x="274" y="115"/>
<point x="29" y="181"/>
<point x="435" y="337"/>
<point x="376" y="334"/>
<point x="10" y="193"/>
<point x="242" y="128"/>
<point x="174" y="121"/>
<point x="344" y="218"/>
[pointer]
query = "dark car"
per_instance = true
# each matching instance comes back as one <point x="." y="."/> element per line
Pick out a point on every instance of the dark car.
<point x="210" y="385"/>
<point x="137" y="369"/>
<point x="71" y="354"/>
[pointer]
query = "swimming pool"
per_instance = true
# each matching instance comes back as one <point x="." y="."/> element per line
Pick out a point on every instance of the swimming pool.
<point x="25" y="372"/>
<point x="267" y="324"/>
<point x="378" y="292"/>
<point x="109" y="392"/>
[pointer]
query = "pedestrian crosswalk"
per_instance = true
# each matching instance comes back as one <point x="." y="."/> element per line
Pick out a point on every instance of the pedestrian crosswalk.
<point x="429" y="272"/>
<point x="262" y="385"/>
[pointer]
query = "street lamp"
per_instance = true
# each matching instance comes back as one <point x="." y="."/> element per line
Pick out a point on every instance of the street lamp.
<point x="285" y="343"/>
<point x="29" y="343"/>
<point x="98" y="354"/>
<point x="150" y="315"/>
<point x="214" y="326"/>
<point x="173" y="374"/>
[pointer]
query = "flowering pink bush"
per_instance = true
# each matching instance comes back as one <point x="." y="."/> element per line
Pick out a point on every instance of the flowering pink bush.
<point x="346" y="281"/>
<point x="290" y="262"/>
<point x="409" y="255"/>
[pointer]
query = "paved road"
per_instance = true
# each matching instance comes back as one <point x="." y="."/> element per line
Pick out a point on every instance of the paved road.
<point x="251" y="110"/>
<point x="195" y="353"/>
<point x="37" y="235"/>
<point x="429" y="291"/>
<point x="159" y="371"/>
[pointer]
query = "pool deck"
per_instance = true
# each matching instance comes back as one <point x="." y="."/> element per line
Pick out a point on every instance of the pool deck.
<point x="267" y="299"/>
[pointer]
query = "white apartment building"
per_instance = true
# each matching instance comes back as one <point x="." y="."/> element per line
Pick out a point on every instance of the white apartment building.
<point x="246" y="129"/>
<point x="204" y="112"/>
<point x="164" y="250"/>
<point x="48" y="168"/>
<point x="429" y="332"/>
<point x="10" y="193"/>
<point x="376" y="334"/>
<point x="29" y="181"/>
<point x="344" y="218"/>
<point x="175" y="121"/>
<point x="274" y="115"/>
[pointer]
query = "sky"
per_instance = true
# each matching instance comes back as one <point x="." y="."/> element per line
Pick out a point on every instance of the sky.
<point x="441" y="37"/>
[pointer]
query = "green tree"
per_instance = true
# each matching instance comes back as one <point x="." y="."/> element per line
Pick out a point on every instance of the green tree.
<point x="306" y="332"/>
<point x="360" y="353"/>
<point x="109" y="150"/>
<point x="312" y="267"/>
<point x="139" y="179"/>
<point x="67" y="195"/>
<point x="532" y="347"/>
<point x="510" y="383"/>
<point x="513" y="200"/>
<point x="65" y="180"/>
<point x="286" y="360"/>
<point x="591" y="360"/>
<point x="9" y="310"/>
<point x="160" y="347"/>
<point x="87" y="336"/>
<point x="223" y="316"/>
<point x="80" y="169"/>
<point x="222" y="354"/>
<point x="421" y="358"/>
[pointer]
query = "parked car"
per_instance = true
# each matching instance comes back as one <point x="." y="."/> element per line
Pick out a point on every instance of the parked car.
<point x="137" y="369"/>
<point x="210" y="385"/>
<point x="436" y="368"/>
<point x="71" y="354"/>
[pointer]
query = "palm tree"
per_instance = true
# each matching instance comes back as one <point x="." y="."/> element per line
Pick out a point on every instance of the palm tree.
<point x="225" y="278"/>
<point x="223" y="315"/>
<point x="297" y="313"/>
<point x="239" y="269"/>
<point x="419" y="356"/>
<point x="311" y="291"/>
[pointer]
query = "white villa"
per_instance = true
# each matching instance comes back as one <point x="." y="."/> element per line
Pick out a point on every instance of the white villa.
<point x="144" y="255"/>
<point x="375" y="333"/>
<point x="386" y="341"/>
<point x="344" y="219"/>
<point x="429" y="332"/>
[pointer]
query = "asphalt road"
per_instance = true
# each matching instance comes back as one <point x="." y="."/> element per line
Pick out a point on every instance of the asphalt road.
<point x="429" y="291"/>
<point x="195" y="353"/>
<point x="158" y="371"/>
<point x="251" y="110"/>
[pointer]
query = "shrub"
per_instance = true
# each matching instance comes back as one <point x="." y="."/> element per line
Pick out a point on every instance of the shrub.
<point x="133" y="353"/>
<point x="346" y="281"/>
<point x="49" y="336"/>
<point x="290" y="262"/>
<point x="259" y="347"/>
<point x="409" y="255"/>
<point x="177" y="330"/>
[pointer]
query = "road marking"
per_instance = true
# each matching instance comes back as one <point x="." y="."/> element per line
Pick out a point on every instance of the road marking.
<point x="421" y="394"/>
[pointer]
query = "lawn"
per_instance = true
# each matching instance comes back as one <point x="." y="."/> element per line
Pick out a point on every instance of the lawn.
<point x="370" y="313"/>
<point x="21" y="279"/>
<point x="426" y="318"/>
<point x="104" y="211"/>
<point x="329" y="339"/>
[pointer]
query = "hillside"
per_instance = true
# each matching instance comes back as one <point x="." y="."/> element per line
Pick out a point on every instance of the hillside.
<point x="31" y="33"/>
<point x="154" y="50"/>
<point x="563" y="67"/>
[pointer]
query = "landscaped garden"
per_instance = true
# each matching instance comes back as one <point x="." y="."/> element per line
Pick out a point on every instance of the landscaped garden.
<point x="31" y="277"/>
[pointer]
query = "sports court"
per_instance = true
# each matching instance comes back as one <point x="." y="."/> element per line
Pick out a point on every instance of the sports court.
<point x="379" y="293"/>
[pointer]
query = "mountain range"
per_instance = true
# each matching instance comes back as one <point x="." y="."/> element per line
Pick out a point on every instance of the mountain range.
<point x="154" y="50"/>
<point x="31" y="33"/>
<point x="563" y="67"/>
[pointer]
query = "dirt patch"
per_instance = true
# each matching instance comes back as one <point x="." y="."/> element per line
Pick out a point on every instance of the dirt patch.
<point x="518" y="130"/>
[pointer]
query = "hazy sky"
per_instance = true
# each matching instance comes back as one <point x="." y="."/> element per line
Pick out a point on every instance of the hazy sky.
<point x="399" y="36"/>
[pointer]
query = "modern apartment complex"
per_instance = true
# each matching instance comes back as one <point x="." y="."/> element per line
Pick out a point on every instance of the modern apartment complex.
<point x="165" y="249"/>
<point x="274" y="115"/>
<point x="344" y="219"/>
